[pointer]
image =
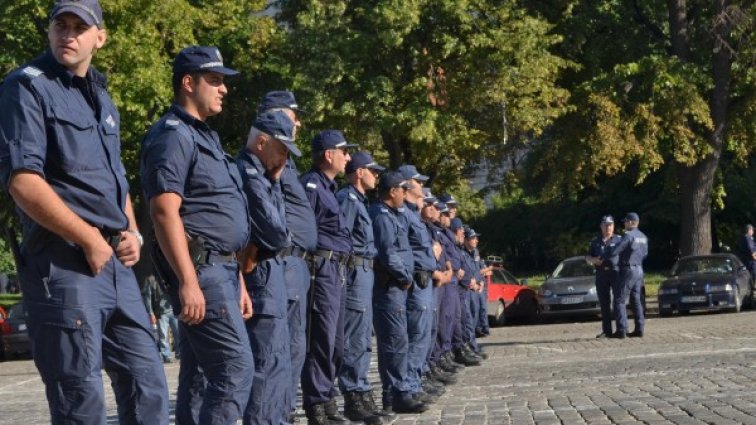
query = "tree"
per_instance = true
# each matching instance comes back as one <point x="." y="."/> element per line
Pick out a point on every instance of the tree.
<point x="441" y="84"/>
<point x="662" y="86"/>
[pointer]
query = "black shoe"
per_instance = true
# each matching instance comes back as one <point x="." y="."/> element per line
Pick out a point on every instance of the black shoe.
<point x="636" y="334"/>
<point x="369" y="402"/>
<point x="424" y="397"/>
<point x="443" y="377"/>
<point x="433" y="390"/>
<point x="618" y="335"/>
<point x="332" y="413"/>
<point x="604" y="335"/>
<point x="447" y="366"/>
<point x="292" y="419"/>
<point x="450" y="358"/>
<point x="461" y="357"/>
<point x="316" y="415"/>
<point x="408" y="405"/>
<point x="355" y="410"/>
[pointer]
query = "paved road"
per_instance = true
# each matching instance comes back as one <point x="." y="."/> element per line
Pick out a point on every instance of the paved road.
<point x="698" y="369"/>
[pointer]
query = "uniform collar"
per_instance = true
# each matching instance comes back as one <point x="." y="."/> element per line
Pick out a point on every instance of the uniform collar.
<point x="330" y="184"/>
<point x="67" y="76"/>
<point x="184" y="116"/>
<point x="412" y="207"/>
<point x="360" y="196"/>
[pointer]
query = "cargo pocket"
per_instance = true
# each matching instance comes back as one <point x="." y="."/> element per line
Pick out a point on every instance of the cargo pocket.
<point x="62" y="341"/>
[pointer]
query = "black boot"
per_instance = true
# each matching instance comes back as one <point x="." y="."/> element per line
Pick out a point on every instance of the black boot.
<point x="407" y="404"/>
<point x="447" y="366"/>
<point x="451" y="358"/>
<point x="316" y="415"/>
<point x="332" y="413"/>
<point x="369" y="403"/>
<point x="461" y="357"/>
<point x="445" y="378"/>
<point x="354" y="409"/>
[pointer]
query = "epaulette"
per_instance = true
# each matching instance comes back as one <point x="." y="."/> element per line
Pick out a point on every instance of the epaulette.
<point x="172" y="124"/>
<point x="311" y="186"/>
<point x="251" y="171"/>
<point x="353" y="197"/>
<point x="384" y="210"/>
<point x="31" y="72"/>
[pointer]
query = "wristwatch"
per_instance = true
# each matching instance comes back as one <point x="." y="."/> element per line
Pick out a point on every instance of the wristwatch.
<point x="139" y="237"/>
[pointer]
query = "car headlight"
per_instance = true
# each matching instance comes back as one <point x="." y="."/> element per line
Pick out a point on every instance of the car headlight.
<point x="592" y="291"/>
<point x="720" y="288"/>
<point x="667" y="291"/>
<point x="545" y="292"/>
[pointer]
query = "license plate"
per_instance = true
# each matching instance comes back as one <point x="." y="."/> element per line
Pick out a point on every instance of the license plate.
<point x="22" y="327"/>
<point x="572" y="300"/>
<point x="693" y="299"/>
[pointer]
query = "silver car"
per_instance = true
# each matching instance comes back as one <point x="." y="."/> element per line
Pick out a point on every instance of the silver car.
<point x="570" y="290"/>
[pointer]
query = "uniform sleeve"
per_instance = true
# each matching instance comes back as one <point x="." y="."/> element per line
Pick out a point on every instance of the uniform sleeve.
<point x="268" y="227"/>
<point x="348" y="208"/>
<point x="166" y="163"/>
<point x="385" y="238"/>
<point x="593" y="250"/>
<point x="23" y="139"/>
<point x="624" y="243"/>
<point x="313" y="195"/>
<point x="469" y="270"/>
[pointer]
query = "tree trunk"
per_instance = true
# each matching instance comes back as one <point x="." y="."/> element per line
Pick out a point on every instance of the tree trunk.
<point x="696" y="183"/>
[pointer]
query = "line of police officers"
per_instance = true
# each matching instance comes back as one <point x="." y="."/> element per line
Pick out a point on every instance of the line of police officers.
<point x="278" y="278"/>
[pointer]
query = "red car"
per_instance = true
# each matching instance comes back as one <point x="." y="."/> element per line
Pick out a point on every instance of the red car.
<point x="509" y="299"/>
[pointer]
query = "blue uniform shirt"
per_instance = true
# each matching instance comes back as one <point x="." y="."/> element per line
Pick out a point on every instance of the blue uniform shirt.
<point x="47" y="126"/>
<point x="354" y="207"/>
<point x="420" y="241"/>
<point x="333" y="234"/>
<point x="746" y="248"/>
<point x="598" y="247"/>
<point x="470" y="266"/>
<point x="299" y="216"/>
<point x="265" y="204"/>
<point x="392" y="243"/>
<point x="182" y="155"/>
<point x="448" y="240"/>
<point x="435" y="233"/>
<point x="632" y="248"/>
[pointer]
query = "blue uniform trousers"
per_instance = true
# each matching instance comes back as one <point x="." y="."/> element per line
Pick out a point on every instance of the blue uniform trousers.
<point x="297" y="275"/>
<point x="461" y="314"/>
<point x="471" y="319"/>
<point x="482" y="324"/>
<point x="268" y="332"/>
<point x="433" y="351"/>
<point x="325" y="327"/>
<point x="629" y="284"/>
<point x="358" y="325"/>
<point x="604" y="284"/>
<point x="215" y="376"/>
<point x="390" y="323"/>
<point x="78" y="324"/>
<point x="419" y="321"/>
<point x="446" y="317"/>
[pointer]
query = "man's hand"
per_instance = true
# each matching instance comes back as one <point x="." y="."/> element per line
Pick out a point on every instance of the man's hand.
<point x="128" y="250"/>
<point x="460" y="274"/>
<point x="97" y="252"/>
<point x="245" y="302"/>
<point x="192" y="303"/>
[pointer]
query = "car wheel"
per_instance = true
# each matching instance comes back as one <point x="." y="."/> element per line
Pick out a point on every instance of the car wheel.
<point x="738" y="301"/>
<point x="665" y="312"/>
<point x="531" y="315"/>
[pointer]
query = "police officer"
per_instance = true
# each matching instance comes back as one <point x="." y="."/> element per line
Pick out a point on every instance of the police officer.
<point x="747" y="252"/>
<point x="186" y="176"/>
<point x="362" y="174"/>
<point x="607" y="271"/>
<point x="481" y="327"/>
<point x="466" y="282"/>
<point x="261" y="162"/>
<point x="393" y="277"/>
<point x="474" y="287"/>
<point x="60" y="162"/>
<point x="303" y="231"/>
<point x="328" y="292"/>
<point x="631" y="250"/>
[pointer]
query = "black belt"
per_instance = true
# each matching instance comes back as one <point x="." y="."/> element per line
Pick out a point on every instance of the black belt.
<point x="212" y="257"/>
<point x="111" y="236"/>
<point x="629" y="265"/>
<point x="359" y="261"/>
<point x="294" y="251"/>
<point x="264" y="254"/>
<point x="339" y="257"/>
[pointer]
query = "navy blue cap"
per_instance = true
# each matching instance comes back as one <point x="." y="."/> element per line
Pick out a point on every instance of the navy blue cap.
<point x="391" y="180"/>
<point x="607" y="219"/>
<point x="278" y="125"/>
<point x="278" y="99"/>
<point x="362" y="159"/>
<point x="470" y="233"/>
<point x="447" y="199"/>
<point x="631" y="216"/>
<point x="441" y="207"/>
<point x="88" y="10"/>
<point x="330" y="139"/>
<point x="410" y="172"/>
<point x="200" y="59"/>
<point x="428" y="197"/>
<point x="456" y="223"/>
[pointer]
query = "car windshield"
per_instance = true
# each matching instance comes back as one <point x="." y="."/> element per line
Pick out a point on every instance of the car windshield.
<point x="503" y="276"/>
<point x="716" y="265"/>
<point x="573" y="268"/>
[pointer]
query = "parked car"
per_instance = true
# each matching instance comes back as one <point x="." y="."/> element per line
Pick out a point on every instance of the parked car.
<point x="570" y="290"/>
<point x="509" y="299"/>
<point x="705" y="282"/>
<point x="13" y="332"/>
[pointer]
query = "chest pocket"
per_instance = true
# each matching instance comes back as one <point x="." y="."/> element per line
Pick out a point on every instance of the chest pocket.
<point x="210" y="171"/>
<point x="77" y="144"/>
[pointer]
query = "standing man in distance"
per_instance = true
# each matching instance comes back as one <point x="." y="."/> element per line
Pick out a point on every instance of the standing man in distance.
<point x="303" y="230"/>
<point x="60" y="162"/>
<point x="261" y="163"/>
<point x="186" y="176"/>
<point x="607" y="271"/>
<point x="631" y="250"/>
<point x="328" y="291"/>
<point x="747" y="252"/>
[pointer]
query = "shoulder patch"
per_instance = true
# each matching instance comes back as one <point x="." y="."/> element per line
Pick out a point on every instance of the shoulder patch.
<point x="352" y="196"/>
<point x="251" y="171"/>
<point x="384" y="210"/>
<point x="32" y="72"/>
<point x="172" y="123"/>
<point x="311" y="185"/>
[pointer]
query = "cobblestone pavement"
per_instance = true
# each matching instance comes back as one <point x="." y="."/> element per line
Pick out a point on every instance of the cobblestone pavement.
<point x="697" y="369"/>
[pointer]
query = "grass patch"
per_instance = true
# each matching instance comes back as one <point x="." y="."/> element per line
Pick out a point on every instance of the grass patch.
<point x="7" y="300"/>
<point x="652" y="281"/>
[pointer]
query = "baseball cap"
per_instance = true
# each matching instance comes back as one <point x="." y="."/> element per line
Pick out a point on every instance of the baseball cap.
<point x="631" y="216"/>
<point x="278" y="125"/>
<point x="607" y="219"/>
<point x="447" y="199"/>
<point x="456" y="223"/>
<point x="88" y="10"/>
<point x="330" y="139"/>
<point x="441" y="207"/>
<point x="410" y="172"/>
<point x="470" y="233"/>
<point x="279" y="99"/>
<point x="200" y="59"/>
<point x="428" y="197"/>
<point x="362" y="159"/>
<point x="392" y="179"/>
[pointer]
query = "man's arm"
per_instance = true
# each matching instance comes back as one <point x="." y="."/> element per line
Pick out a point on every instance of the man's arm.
<point x="40" y="202"/>
<point x="129" y="248"/>
<point x="170" y="233"/>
